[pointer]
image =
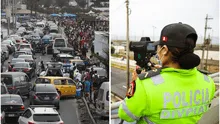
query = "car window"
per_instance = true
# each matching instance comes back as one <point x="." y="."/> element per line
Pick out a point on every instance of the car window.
<point x="6" y="79"/>
<point x="48" y="88"/>
<point x="107" y="95"/>
<point x="42" y="81"/>
<point x="59" y="43"/>
<point x="71" y="82"/>
<point x="60" y="82"/>
<point x="46" y="117"/>
<point x="11" y="100"/>
<point x="100" y="95"/>
<point x="57" y="82"/>
<point x="27" y="114"/>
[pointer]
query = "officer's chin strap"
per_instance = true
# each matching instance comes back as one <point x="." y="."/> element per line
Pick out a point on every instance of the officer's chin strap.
<point x="121" y="122"/>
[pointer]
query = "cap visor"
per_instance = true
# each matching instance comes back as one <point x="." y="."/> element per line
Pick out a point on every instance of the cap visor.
<point x="156" y="43"/>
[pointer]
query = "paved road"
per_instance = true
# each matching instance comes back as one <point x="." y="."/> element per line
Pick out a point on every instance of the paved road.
<point x="118" y="82"/>
<point x="68" y="106"/>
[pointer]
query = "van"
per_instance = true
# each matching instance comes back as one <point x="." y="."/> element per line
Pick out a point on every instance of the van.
<point x="57" y="44"/>
<point x="16" y="82"/>
<point x="102" y="101"/>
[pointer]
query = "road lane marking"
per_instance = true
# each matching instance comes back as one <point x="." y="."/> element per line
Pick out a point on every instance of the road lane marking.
<point x="124" y="87"/>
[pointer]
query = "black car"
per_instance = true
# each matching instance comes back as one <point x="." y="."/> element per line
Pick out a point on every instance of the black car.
<point x="44" y="94"/>
<point x="24" y="67"/>
<point x="12" y="105"/>
<point x="16" y="82"/>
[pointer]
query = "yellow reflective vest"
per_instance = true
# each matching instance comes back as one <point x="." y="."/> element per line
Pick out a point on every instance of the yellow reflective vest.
<point x="172" y="96"/>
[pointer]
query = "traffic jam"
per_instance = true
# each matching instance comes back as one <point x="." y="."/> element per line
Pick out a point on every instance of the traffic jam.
<point x="44" y="72"/>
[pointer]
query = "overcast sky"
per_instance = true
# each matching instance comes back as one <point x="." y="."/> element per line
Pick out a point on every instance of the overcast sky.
<point x="148" y="13"/>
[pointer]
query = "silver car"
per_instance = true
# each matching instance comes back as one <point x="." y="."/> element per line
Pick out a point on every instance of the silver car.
<point x="40" y="115"/>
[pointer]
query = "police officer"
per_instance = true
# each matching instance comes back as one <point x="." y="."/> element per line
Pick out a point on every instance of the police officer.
<point x="177" y="93"/>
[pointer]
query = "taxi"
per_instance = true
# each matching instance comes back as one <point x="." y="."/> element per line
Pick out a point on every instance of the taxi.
<point x="65" y="86"/>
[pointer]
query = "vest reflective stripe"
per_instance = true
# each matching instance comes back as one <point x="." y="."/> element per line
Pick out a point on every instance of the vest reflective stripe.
<point x="206" y="78"/>
<point x="184" y="112"/>
<point x="148" y="121"/>
<point x="157" y="79"/>
<point x="125" y="108"/>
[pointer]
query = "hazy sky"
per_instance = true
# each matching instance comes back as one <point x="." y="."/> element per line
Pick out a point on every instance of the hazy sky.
<point x="148" y="13"/>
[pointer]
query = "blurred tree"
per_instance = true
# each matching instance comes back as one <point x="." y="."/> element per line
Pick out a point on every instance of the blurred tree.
<point x="81" y="3"/>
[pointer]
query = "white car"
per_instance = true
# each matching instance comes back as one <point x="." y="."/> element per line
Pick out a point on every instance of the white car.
<point x="42" y="114"/>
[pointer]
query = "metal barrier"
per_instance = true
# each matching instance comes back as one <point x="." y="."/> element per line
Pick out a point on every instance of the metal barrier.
<point x="115" y="106"/>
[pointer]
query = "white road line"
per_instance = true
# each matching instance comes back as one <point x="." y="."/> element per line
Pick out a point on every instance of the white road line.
<point x="124" y="87"/>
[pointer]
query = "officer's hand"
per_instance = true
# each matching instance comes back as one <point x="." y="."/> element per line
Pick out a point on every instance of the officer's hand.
<point x="135" y="75"/>
<point x="156" y="67"/>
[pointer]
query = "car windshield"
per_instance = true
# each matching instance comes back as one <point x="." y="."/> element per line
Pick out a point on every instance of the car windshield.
<point x="21" y="65"/>
<point x="24" y="46"/>
<point x="59" y="43"/>
<point x="45" y="88"/>
<point x="6" y="79"/>
<point x="11" y="100"/>
<point x="46" y="117"/>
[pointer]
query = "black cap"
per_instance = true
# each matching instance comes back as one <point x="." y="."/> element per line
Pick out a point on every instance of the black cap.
<point x="175" y="34"/>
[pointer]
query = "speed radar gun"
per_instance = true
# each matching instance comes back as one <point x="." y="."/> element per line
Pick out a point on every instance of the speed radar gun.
<point x="143" y="51"/>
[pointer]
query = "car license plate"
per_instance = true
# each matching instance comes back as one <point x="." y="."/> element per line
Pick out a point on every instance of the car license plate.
<point x="11" y="115"/>
<point x="20" y="70"/>
<point x="46" y="98"/>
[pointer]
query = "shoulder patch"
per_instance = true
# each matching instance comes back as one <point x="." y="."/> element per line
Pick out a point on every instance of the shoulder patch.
<point x="149" y="74"/>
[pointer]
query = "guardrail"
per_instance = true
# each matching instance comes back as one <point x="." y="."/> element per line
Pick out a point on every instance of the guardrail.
<point x="115" y="106"/>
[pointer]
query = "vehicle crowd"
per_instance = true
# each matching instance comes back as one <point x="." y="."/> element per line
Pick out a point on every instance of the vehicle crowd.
<point x="70" y="73"/>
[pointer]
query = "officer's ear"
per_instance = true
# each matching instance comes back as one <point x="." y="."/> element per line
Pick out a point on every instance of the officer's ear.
<point x="164" y="50"/>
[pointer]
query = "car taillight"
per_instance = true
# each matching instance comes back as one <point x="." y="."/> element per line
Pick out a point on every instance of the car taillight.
<point x="29" y="122"/>
<point x="58" y="96"/>
<point x="17" y="41"/>
<point x="13" y="70"/>
<point x="35" y="97"/>
<point x="26" y="69"/>
<point x="11" y="88"/>
<point x="61" y="123"/>
<point x="22" y="107"/>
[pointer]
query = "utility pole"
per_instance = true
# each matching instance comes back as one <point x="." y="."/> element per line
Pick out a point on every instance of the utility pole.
<point x="127" y="46"/>
<point x="208" y="44"/>
<point x="203" y="45"/>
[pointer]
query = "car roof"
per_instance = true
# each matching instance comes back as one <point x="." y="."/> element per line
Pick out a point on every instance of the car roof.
<point x="44" y="110"/>
<point x="18" y="59"/>
<point x="64" y="55"/>
<point x="54" y="77"/>
<point x="13" y="73"/>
